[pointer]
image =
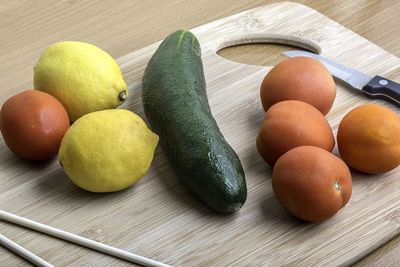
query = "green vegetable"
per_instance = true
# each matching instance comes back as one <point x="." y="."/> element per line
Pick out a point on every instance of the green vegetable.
<point x="176" y="105"/>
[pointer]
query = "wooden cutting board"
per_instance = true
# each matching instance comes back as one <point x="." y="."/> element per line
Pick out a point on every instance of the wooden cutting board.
<point x="159" y="218"/>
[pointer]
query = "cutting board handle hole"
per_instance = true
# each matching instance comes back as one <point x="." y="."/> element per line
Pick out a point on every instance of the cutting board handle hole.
<point x="261" y="49"/>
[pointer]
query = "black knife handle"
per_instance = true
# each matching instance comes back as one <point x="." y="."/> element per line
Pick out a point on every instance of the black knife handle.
<point x="383" y="88"/>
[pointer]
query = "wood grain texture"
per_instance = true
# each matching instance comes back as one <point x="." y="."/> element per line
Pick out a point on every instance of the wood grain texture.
<point x="158" y="218"/>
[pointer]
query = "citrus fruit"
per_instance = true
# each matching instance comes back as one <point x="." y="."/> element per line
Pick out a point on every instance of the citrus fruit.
<point x="299" y="78"/>
<point x="32" y="124"/>
<point x="368" y="139"/>
<point x="311" y="183"/>
<point x="106" y="151"/>
<point x="83" y="77"/>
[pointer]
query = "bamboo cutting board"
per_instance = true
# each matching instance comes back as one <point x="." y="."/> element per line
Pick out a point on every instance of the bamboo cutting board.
<point x="159" y="218"/>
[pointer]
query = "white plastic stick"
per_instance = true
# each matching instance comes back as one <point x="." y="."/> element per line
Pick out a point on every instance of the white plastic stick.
<point x="116" y="252"/>
<point x="17" y="249"/>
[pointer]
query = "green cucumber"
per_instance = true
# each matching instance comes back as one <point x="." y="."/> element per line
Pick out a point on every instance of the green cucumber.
<point x="176" y="106"/>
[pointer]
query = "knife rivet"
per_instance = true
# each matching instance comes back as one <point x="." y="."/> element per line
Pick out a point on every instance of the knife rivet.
<point x="383" y="82"/>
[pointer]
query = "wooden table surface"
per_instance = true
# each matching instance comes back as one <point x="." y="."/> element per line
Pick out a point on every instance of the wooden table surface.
<point x="120" y="27"/>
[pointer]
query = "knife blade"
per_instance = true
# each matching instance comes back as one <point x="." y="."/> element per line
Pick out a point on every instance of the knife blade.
<point x="376" y="87"/>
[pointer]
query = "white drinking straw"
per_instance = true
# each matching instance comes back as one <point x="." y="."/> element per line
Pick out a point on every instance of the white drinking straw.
<point x="116" y="252"/>
<point x="17" y="249"/>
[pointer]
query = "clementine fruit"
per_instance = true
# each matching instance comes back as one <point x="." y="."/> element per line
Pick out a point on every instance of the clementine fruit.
<point x="33" y="124"/>
<point x="299" y="78"/>
<point x="369" y="139"/>
<point x="311" y="183"/>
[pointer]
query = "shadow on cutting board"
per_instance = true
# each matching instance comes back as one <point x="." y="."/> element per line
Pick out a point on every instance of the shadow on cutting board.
<point x="177" y="192"/>
<point x="59" y="188"/>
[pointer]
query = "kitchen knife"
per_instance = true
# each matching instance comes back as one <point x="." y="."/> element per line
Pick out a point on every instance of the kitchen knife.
<point x="373" y="87"/>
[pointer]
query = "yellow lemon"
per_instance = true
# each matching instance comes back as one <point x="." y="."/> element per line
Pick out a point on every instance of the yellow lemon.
<point x="83" y="77"/>
<point x="108" y="150"/>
